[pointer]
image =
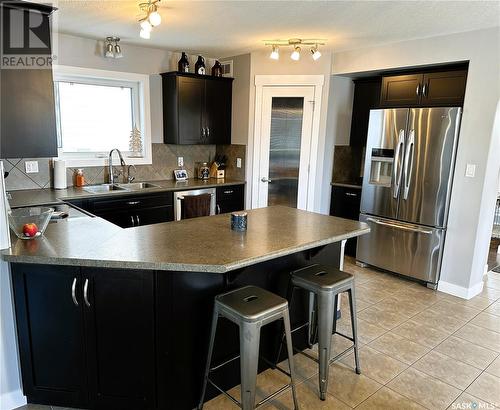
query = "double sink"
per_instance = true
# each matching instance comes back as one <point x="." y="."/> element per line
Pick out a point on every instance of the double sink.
<point x="133" y="186"/>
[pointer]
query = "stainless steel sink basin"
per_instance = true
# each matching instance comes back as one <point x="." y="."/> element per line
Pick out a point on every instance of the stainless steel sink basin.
<point x="99" y="189"/>
<point x="135" y="186"/>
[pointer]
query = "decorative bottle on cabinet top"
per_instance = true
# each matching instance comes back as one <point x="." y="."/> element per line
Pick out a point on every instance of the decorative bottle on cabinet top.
<point x="217" y="69"/>
<point x="199" y="67"/>
<point x="183" y="64"/>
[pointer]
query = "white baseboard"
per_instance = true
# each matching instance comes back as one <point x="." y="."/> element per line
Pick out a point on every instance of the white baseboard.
<point x="12" y="400"/>
<point x="460" y="291"/>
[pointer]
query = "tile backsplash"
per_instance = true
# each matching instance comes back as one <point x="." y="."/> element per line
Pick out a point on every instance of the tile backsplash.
<point x="162" y="167"/>
<point x="347" y="164"/>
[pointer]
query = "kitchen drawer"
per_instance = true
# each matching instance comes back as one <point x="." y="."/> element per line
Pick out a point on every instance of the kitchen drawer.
<point x="345" y="202"/>
<point x="229" y="193"/>
<point x="132" y="202"/>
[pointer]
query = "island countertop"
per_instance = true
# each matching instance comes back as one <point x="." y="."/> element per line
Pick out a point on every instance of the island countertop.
<point x="204" y="244"/>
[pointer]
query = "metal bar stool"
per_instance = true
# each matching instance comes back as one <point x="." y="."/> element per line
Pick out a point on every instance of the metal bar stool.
<point x="324" y="285"/>
<point x="250" y="308"/>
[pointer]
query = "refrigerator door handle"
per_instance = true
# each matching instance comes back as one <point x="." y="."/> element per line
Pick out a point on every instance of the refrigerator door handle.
<point x="398" y="226"/>
<point x="409" y="154"/>
<point x="396" y="170"/>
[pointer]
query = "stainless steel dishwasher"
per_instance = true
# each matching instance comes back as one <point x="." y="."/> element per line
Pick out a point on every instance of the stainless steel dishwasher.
<point x="181" y="194"/>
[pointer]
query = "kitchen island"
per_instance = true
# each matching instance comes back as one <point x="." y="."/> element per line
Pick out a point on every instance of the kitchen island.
<point x="119" y="318"/>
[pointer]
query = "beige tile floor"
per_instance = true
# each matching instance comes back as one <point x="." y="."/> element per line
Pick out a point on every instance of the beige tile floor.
<point x="420" y="349"/>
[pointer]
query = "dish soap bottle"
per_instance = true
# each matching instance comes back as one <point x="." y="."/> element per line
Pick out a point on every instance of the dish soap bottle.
<point x="79" y="178"/>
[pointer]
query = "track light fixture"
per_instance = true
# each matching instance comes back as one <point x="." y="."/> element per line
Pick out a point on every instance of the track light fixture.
<point x="111" y="48"/>
<point x="275" y="54"/>
<point x="295" y="43"/>
<point x="152" y="18"/>
<point x="315" y="52"/>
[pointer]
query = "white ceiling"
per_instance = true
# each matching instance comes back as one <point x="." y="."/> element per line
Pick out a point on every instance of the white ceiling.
<point x="225" y="28"/>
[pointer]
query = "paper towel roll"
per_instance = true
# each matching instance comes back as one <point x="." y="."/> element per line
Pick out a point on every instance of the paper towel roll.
<point x="60" y="181"/>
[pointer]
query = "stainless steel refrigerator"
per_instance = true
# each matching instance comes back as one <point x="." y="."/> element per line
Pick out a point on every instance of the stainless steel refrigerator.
<point x="408" y="172"/>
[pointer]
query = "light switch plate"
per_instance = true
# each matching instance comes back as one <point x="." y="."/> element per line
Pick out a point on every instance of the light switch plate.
<point x="180" y="161"/>
<point x="31" y="167"/>
<point x="470" y="170"/>
<point x="238" y="162"/>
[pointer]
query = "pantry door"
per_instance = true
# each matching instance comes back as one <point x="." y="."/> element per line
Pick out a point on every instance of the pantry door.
<point x="285" y="146"/>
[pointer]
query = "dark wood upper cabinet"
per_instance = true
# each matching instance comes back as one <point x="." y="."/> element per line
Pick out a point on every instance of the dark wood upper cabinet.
<point x="444" y="88"/>
<point x="439" y="88"/>
<point x="49" y="314"/>
<point x="196" y="109"/>
<point x="401" y="90"/>
<point x="366" y="98"/>
<point x="28" y="123"/>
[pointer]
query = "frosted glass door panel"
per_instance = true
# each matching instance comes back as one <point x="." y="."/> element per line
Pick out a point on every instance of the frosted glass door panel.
<point x="284" y="151"/>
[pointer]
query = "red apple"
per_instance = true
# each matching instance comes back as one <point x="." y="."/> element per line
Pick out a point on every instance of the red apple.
<point x="30" y="230"/>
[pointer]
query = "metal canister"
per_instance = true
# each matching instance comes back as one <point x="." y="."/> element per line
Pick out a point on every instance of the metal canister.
<point x="239" y="221"/>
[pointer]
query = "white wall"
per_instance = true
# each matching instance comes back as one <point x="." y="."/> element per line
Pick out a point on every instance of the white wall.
<point x="472" y="200"/>
<point x="261" y="64"/>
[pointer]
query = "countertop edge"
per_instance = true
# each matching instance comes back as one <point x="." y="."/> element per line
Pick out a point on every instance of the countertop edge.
<point x="182" y="267"/>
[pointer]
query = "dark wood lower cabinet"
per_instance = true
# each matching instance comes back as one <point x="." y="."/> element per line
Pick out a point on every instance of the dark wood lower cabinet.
<point x="51" y="334"/>
<point x="86" y="336"/>
<point x="119" y="327"/>
<point x="137" y="339"/>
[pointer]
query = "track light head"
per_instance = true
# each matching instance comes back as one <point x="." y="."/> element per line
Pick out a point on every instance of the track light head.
<point x="295" y="56"/>
<point x="154" y="17"/>
<point x="315" y="53"/>
<point x="145" y="34"/>
<point x="275" y="55"/>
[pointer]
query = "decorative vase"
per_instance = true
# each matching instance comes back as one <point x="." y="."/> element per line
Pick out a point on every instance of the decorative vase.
<point x="199" y="67"/>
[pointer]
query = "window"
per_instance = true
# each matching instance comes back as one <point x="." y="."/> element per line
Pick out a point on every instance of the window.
<point x="97" y="111"/>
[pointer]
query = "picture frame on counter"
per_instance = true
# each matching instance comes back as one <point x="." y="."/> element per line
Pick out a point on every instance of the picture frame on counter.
<point x="180" y="174"/>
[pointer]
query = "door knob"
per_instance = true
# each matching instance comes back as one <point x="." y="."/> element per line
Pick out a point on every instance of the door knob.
<point x="264" y="179"/>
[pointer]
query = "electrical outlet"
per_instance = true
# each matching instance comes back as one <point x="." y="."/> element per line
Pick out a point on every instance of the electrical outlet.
<point x="470" y="170"/>
<point x="180" y="161"/>
<point x="238" y="162"/>
<point x="31" y="167"/>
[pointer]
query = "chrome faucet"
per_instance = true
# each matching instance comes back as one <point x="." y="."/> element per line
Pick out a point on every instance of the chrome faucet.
<point x="112" y="174"/>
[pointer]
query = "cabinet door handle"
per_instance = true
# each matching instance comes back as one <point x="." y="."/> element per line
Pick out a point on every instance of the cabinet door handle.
<point x="218" y="209"/>
<point x="208" y="132"/>
<point x="424" y="90"/>
<point x="203" y="133"/>
<point x="133" y="202"/>
<point x="137" y="219"/>
<point x="229" y="191"/>
<point x="132" y="218"/>
<point x="351" y="194"/>
<point x="85" y="292"/>
<point x="73" y="292"/>
<point x="417" y="91"/>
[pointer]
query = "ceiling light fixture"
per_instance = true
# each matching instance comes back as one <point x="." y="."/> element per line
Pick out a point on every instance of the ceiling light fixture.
<point x="275" y="54"/>
<point x="295" y="56"/>
<point x="295" y="43"/>
<point x="152" y="18"/>
<point x="315" y="52"/>
<point x="111" y="48"/>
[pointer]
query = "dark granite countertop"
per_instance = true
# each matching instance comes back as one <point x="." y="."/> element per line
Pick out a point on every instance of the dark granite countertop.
<point x="200" y="245"/>
<point x="33" y="197"/>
